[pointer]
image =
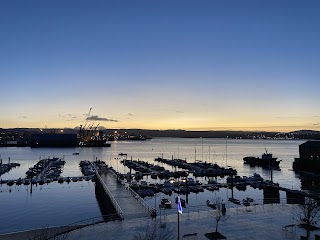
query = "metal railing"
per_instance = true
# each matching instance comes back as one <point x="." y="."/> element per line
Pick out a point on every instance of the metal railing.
<point x="151" y="210"/>
<point x="52" y="232"/>
<point x="113" y="173"/>
<point x="113" y="200"/>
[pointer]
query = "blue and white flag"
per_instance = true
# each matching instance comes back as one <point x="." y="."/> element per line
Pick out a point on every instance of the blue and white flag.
<point x="179" y="206"/>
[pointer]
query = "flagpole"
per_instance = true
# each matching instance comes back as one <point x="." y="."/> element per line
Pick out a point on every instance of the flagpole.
<point x="179" y="212"/>
<point x="178" y="220"/>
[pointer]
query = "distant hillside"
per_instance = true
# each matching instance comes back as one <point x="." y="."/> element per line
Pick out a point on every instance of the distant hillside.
<point x="25" y="133"/>
<point x="193" y="134"/>
<point x="306" y="134"/>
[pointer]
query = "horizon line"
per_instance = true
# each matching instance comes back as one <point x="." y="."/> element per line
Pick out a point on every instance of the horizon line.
<point x="187" y="130"/>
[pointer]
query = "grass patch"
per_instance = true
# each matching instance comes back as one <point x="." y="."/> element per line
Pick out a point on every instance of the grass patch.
<point x="215" y="236"/>
<point x="309" y="227"/>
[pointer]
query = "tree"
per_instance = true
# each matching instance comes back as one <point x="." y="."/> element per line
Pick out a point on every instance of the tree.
<point x="308" y="215"/>
<point x="309" y="212"/>
<point x="219" y="213"/>
<point x="219" y="216"/>
<point x="153" y="231"/>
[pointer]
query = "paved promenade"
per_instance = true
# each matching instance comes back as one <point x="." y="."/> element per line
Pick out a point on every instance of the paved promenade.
<point x="257" y="222"/>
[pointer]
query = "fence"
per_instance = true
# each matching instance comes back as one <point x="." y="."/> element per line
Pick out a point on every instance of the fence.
<point x="151" y="210"/>
<point x="112" y="199"/>
<point x="51" y="233"/>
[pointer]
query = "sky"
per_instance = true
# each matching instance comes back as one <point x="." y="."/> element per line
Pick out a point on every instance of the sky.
<point x="193" y="65"/>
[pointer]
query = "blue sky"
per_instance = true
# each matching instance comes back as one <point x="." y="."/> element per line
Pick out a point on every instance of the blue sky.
<point x="161" y="64"/>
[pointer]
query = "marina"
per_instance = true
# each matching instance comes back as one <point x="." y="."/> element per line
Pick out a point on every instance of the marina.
<point x="6" y="167"/>
<point x="196" y="190"/>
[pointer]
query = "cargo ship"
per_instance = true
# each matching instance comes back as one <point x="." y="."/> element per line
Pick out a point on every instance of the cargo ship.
<point x="66" y="140"/>
<point x="54" y="140"/>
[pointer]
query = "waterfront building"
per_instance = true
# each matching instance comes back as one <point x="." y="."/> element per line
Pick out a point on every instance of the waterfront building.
<point x="309" y="159"/>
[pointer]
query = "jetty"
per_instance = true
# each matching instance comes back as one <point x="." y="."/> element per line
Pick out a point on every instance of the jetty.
<point x="6" y="167"/>
<point x="126" y="202"/>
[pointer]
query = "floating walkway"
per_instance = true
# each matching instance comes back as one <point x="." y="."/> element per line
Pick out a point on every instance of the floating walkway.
<point x="127" y="203"/>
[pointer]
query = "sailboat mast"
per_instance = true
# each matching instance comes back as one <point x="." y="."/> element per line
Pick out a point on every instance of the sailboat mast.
<point x="227" y="151"/>
<point x="202" y="150"/>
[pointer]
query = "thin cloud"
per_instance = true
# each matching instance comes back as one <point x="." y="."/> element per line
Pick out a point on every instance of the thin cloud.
<point x="287" y="117"/>
<point x="179" y="111"/>
<point x="97" y="118"/>
<point x="130" y="114"/>
<point x="69" y="117"/>
<point x="24" y="117"/>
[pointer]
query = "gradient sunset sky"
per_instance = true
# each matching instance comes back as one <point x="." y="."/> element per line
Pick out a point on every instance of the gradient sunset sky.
<point x="194" y="65"/>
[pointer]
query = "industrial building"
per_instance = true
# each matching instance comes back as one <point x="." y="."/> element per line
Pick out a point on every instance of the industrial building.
<point x="309" y="160"/>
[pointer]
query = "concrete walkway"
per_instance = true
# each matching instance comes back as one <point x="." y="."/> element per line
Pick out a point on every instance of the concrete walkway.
<point x="257" y="222"/>
<point x="130" y="207"/>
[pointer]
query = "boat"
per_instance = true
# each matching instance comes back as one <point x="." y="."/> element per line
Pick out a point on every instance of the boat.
<point x="154" y="175"/>
<point x="266" y="161"/>
<point x="246" y="202"/>
<point x="95" y="143"/>
<point x="184" y="190"/>
<point x="26" y="182"/>
<point x="256" y="177"/>
<point x="10" y="183"/>
<point x="176" y="189"/>
<point x="143" y="184"/>
<point x="235" y="201"/>
<point x="212" y="181"/>
<point x="34" y="181"/>
<point x="182" y="201"/>
<point x="19" y="182"/>
<point x="134" y="185"/>
<point x="122" y="154"/>
<point x="193" y="189"/>
<point x="75" y="153"/>
<point x="142" y="193"/>
<point x="165" y="203"/>
<point x="249" y="199"/>
<point x="138" y="175"/>
<point x="241" y="186"/>
<point x="166" y="190"/>
<point x="212" y="187"/>
<point x="75" y="179"/>
<point x="211" y="204"/>
<point x="200" y="188"/>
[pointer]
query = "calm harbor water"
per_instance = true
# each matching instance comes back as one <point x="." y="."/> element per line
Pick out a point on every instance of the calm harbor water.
<point x="59" y="204"/>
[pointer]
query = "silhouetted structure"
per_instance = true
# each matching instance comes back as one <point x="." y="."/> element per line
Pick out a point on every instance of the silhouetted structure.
<point x="309" y="159"/>
<point x="54" y="140"/>
<point x="271" y="195"/>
